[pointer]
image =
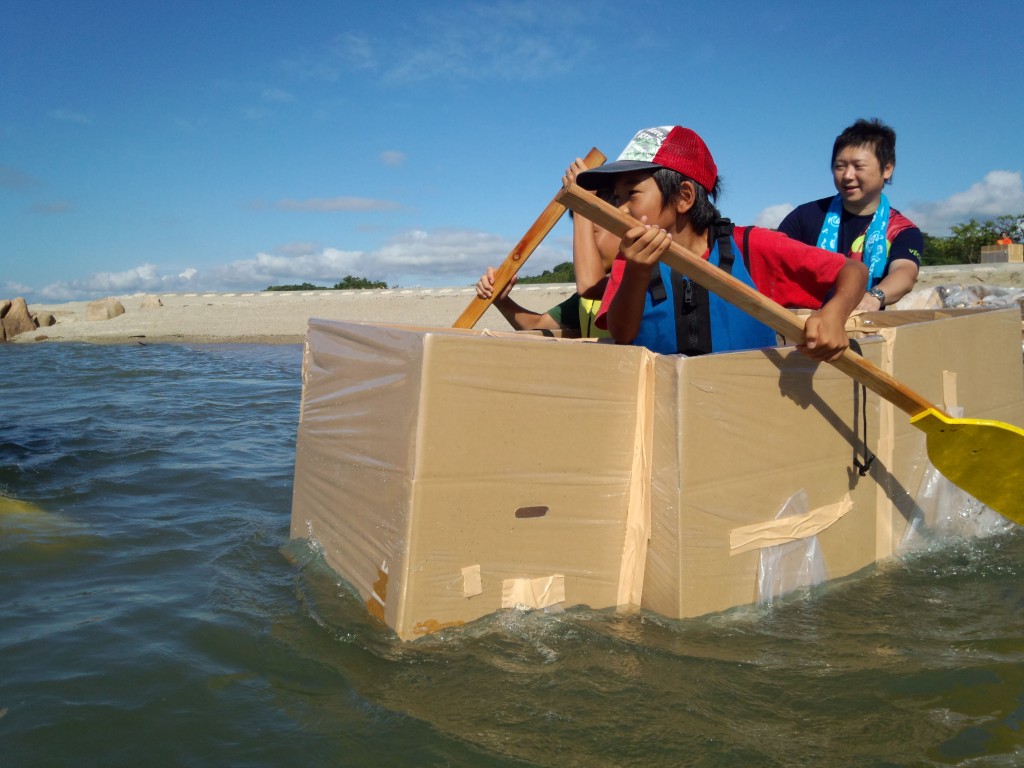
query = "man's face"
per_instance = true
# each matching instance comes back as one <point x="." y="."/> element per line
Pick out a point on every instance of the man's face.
<point x="859" y="177"/>
<point x="638" y="195"/>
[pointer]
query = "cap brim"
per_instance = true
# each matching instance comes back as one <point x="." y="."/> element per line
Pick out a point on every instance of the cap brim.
<point x="604" y="175"/>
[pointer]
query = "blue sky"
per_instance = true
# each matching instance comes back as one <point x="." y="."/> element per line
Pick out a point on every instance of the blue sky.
<point x="228" y="146"/>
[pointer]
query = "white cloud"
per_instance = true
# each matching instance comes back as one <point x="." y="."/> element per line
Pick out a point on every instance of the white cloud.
<point x="392" y="158"/>
<point x="772" y="216"/>
<point x="999" y="193"/>
<point x="53" y="209"/>
<point x="413" y="258"/>
<point x="333" y="204"/>
<point x="70" y="116"/>
<point x="442" y="252"/>
<point x="15" y="178"/>
<point x="277" y="95"/>
<point x="12" y="288"/>
<point x="145" y="277"/>
<point x="519" y="41"/>
<point x="327" y="265"/>
<point x="188" y="126"/>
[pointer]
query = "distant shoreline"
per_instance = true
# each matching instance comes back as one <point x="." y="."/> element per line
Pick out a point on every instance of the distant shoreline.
<point x="281" y="317"/>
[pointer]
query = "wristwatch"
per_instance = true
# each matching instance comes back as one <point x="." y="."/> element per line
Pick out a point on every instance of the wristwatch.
<point x="879" y="294"/>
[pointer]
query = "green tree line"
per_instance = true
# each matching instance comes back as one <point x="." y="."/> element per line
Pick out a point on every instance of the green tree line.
<point x="349" y="282"/>
<point x="963" y="245"/>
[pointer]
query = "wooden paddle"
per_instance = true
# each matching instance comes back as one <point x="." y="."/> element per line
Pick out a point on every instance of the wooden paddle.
<point x="518" y="255"/>
<point x="985" y="458"/>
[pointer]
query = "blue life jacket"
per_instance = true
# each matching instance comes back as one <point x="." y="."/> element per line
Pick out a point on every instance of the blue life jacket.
<point x="681" y="316"/>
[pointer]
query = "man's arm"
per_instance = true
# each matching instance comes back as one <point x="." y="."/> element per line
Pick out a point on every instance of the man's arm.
<point x="897" y="283"/>
<point x="825" y="331"/>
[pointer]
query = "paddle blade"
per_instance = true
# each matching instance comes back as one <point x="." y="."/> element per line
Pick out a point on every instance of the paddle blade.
<point x="984" y="458"/>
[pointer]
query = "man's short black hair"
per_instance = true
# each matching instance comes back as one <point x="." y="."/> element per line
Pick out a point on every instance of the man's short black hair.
<point x="869" y="133"/>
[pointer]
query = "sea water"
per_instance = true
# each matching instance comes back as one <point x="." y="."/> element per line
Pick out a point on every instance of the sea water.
<point x="155" y="613"/>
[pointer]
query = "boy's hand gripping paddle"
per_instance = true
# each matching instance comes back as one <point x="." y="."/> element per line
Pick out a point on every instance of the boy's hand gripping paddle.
<point x="518" y="255"/>
<point x="984" y="458"/>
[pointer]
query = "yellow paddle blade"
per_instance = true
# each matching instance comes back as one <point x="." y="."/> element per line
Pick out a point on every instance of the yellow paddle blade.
<point x="985" y="458"/>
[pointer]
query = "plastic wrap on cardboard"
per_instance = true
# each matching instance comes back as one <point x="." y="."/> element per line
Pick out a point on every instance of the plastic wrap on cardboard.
<point x="438" y="468"/>
<point x="791" y="565"/>
<point x="736" y="435"/>
<point x="941" y="510"/>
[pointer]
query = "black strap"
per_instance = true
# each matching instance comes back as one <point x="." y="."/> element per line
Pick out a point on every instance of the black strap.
<point x="863" y="467"/>
<point x="721" y="230"/>
<point x="657" y="286"/>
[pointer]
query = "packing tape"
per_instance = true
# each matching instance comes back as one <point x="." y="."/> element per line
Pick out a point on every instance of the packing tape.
<point x="472" y="585"/>
<point x="638" y="510"/>
<point x="533" y="593"/>
<point x="886" y="512"/>
<point x="773" y="532"/>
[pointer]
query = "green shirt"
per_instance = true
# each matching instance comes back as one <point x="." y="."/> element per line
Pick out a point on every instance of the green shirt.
<point x="578" y="315"/>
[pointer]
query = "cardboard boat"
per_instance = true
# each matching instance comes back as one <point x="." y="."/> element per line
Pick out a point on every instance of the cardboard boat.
<point x="447" y="474"/>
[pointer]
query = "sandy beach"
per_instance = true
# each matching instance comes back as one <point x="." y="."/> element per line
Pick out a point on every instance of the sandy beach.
<point x="282" y="316"/>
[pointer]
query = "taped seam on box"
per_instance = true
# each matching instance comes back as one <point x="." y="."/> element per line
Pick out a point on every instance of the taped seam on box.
<point x="773" y="532"/>
<point x="949" y="402"/>
<point x="404" y="612"/>
<point x="885" y="451"/>
<point x="533" y="593"/>
<point x="638" y="510"/>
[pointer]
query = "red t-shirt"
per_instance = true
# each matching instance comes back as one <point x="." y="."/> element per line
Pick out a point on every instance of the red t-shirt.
<point x="788" y="272"/>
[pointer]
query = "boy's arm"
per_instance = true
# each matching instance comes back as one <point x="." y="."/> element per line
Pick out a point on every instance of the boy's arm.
<point x="586" y="258"/>
<point x="642" y="248"/>
<point x="520" y="318"/>
<point x="825" y="336"/>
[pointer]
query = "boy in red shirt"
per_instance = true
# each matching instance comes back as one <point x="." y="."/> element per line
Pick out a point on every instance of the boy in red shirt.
<point x="667" y="179"/>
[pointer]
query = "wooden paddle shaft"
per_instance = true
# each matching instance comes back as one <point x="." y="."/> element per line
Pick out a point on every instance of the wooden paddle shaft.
<point x="695" y="267"/>
<point x="517" y="256"/>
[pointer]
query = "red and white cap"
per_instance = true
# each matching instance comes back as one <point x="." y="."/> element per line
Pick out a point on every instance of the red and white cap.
<point x="668" y="146"/>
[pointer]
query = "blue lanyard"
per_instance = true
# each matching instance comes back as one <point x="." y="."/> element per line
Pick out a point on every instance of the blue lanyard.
<point x="876" y="248"/>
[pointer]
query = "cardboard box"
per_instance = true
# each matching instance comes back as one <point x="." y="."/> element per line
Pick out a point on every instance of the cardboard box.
<point x="958" y="359"/>
<point x="1013" y="253"/>
<point x="737" y="435"/>
<point x="448" y="474"/>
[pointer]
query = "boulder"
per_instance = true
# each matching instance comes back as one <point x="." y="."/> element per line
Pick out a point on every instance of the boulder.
<point x="44" y="319"/>
<point x="103" y="309"/>
<point x="16" y="318"/>
<point x="151" y="302"/>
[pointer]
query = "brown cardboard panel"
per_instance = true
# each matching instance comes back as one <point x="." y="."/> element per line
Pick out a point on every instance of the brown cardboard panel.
<point x="748" y="430"/>
<point x="975" y="357"/>
<point x="354" y="457"/>
<point x="737" y="435"/>
<point x="447" y="474"/>
<point x="457" y="468"/>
